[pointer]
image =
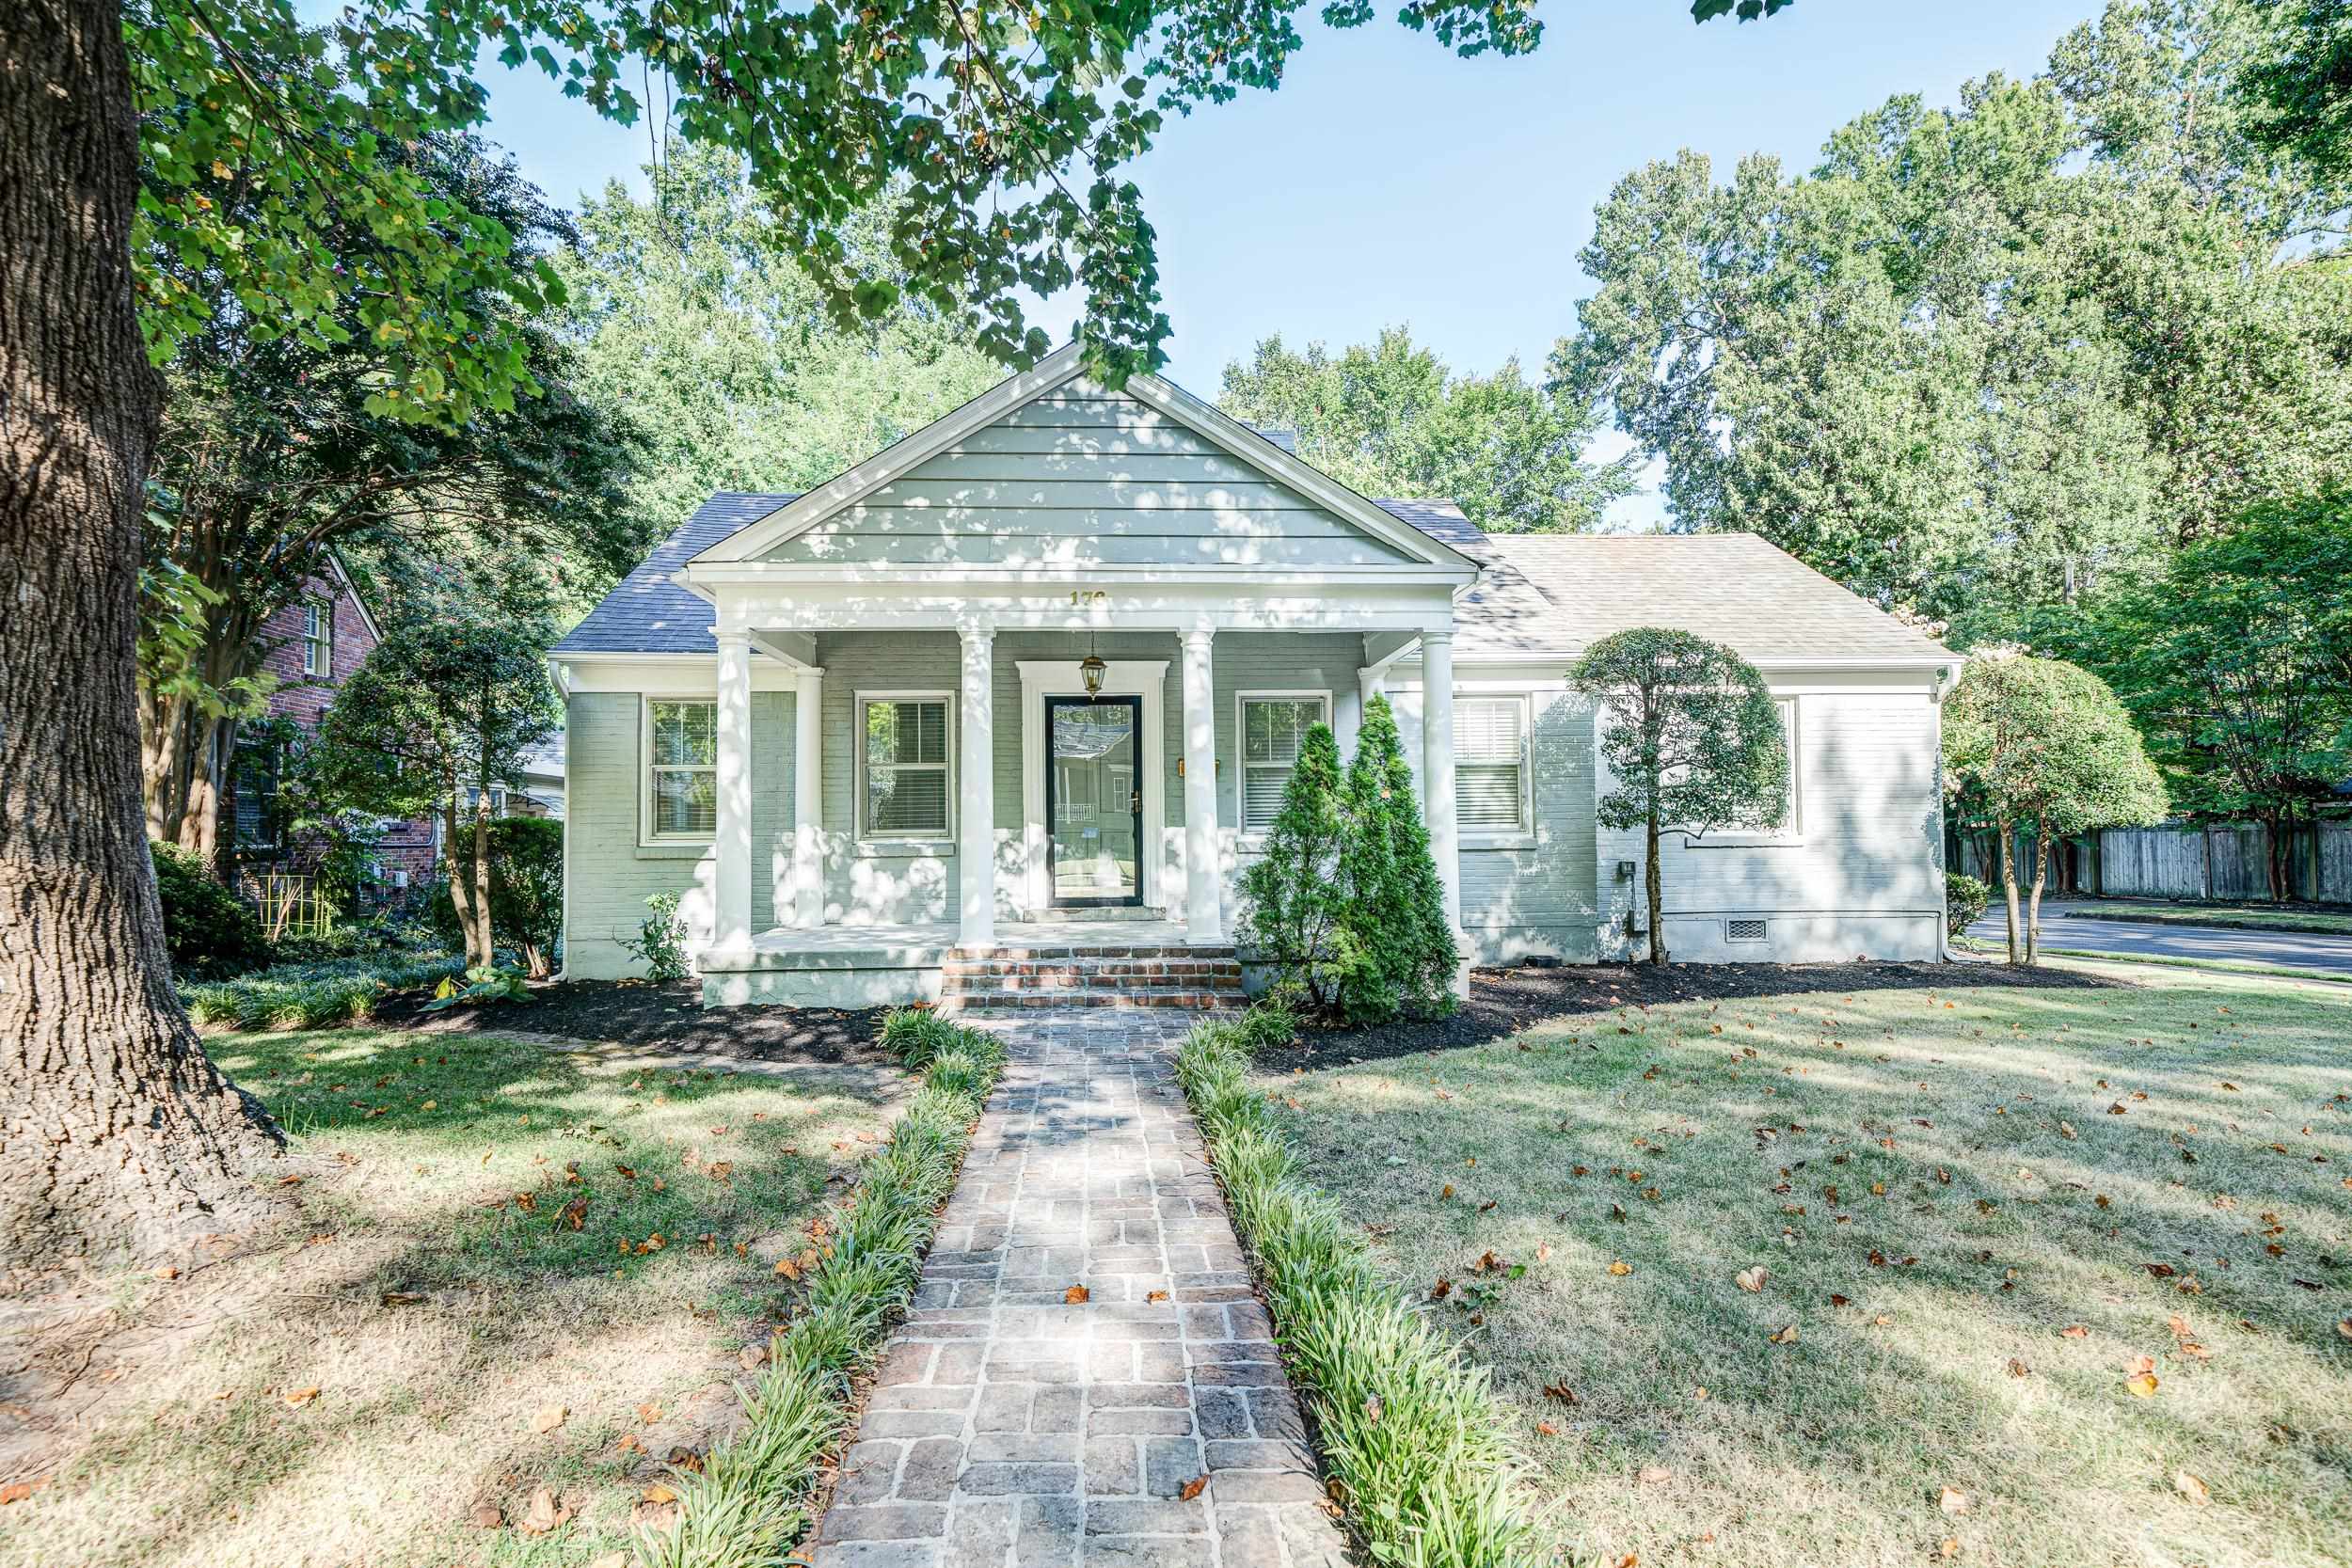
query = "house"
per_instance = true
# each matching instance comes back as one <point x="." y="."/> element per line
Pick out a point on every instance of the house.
<point x="311" y="644"/>
<point x="1043" y="666"/>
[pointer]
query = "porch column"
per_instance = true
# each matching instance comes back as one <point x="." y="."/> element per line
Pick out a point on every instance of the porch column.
<point x="808" y="798"/>
<point x="1437" y="764"/>
<point x="1347" y="720"/>
<point x="1204" y="922"/>
<point x="976" y="799"/>
<point x="731" y="840"/>
<point x="1370" y="681"/>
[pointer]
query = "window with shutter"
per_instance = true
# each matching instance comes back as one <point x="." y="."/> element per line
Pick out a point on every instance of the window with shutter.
<point x="1491" y="765"/>
<point x="907" y="781"/>
<point x="1274" y="726"/>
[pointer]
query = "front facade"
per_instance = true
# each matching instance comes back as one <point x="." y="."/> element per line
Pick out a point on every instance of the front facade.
<point x="1046" y="663"/>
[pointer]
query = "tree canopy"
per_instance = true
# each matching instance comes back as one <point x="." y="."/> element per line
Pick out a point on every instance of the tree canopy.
<point x="1388" y="419"/>
<point x="1980" y="358"/>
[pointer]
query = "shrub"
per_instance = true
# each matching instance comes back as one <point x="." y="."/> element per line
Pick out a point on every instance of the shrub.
<point x="311" y="996"/>
<point x="748" y="1502"/>
<point x="1966" y="899"/>
<point x="661" y="940"/>
<point x="384" y="941"/>
<point x="526" y="889"/>
<point x="1411" y="1433"/>
<point x="209" y="931"/>
<point x="1296" y="915"/>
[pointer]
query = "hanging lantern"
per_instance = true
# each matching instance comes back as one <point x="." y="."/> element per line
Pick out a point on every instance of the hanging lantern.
<point x="1090" y="671"/>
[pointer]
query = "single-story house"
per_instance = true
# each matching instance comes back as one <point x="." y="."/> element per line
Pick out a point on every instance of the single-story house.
<point x="1034" y="677"/>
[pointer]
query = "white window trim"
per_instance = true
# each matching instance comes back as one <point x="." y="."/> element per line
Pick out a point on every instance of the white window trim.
<point x="318" y="653"/>
<point x="1245" y="837"/>
<point x="1522" y="837"/>
<point x="1790" y="832"/>
<point x="647" y="837"/>
<point x="869" y="843"/>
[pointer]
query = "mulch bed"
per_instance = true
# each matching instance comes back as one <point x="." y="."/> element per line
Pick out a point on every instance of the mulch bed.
<point x="671" y="1017"/>
<point x="1503" y="1002"/>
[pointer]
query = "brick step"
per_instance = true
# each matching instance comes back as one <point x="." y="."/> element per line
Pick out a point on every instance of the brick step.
<point x="959" y="985"/>
<point x="1022" y="1000"/>
<point x="1090" y="951"/>
<point x="1153" y="969"/>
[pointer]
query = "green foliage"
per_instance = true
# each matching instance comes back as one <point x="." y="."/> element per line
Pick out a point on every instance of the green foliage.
<point x="1345" y="900"/>
<point x="661" y="940"/>
<point x="209" y="931"/>
<point x="689" y="311"/>
<point x="1410" y="1431"/>
<point x="485" y="983"/>
<point x="1966" y="899"/>
<point x="313" y="995"/>
<point x="526" y="888"/>
<point x="2301" y="81"/>
<point x="1389" y="420"/>
<point x="748" y="1502"/>
<point x="1982" y="360"/>
<point x="1394" y="902"/>
<point x="1693" y="741"/>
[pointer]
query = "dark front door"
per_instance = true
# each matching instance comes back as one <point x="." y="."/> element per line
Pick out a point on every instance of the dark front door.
<point x="1094" y="798"/>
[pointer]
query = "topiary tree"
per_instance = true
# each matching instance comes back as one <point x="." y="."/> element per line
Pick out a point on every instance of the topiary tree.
<point x="1693" y="741"/>
<point x="526" y="888"/>
<point x="1394" y="903"/>
<point x="2043" y="742"/>
<point x="1293" y="910"/>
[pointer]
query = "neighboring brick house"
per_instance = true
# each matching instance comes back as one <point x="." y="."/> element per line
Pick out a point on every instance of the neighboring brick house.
<point x="314" y="643"/>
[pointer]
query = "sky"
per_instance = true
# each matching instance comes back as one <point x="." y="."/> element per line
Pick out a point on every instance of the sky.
<point x="1389" y="182"/>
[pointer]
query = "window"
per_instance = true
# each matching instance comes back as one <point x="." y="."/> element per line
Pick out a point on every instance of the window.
<point x="1491" y="765"/>
<point x="907" y="783"/>
<point x="318" y="638"/>
<point x="681" y="769"/>
<point x="1792" y="825"/>
<point x="1274" y="726"/>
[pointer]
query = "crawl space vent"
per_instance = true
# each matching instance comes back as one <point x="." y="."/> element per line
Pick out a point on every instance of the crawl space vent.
<point x="1744" y="930"/>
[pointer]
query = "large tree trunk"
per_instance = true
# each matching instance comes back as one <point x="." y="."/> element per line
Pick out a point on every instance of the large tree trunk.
<point x="1653" y="888"/>
<point x="480" y="950"/>
<point x="2007" y="833"/>
<point x="2041" y="881"/>
<point x="120" y="1142"/>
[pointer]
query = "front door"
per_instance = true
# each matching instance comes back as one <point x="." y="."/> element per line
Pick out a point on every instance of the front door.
<point x="1094" y="800"/>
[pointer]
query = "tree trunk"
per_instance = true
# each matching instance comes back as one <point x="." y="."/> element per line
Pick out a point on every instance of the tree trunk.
<point x="479" y="952"/>
<point x="121" y="1142"/>
<point x="2041" y="880"/>
<point x="460" y="894"/>
<point x="1656" y="888"/>
<point x="2009" y="887"/>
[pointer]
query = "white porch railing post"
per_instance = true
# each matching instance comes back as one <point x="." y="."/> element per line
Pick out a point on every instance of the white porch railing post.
<point x="1204" y="921"/>
<point x="976" y="819"/>
<point x="731" y="839"/>
<point x="808" y="798"/>
<point x="1437" y="766"/>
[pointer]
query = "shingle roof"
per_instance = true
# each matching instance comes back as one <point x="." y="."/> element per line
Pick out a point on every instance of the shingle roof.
<point x="1442" y="521"/>
<point x="647" y="613"/>
<point x="1560" y="593"/>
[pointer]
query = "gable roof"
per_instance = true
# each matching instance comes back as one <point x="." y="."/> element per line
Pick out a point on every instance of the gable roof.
<point x="1560" y="593"/>
<point x="1421" y="547"/>
<point x="647" y="612"/>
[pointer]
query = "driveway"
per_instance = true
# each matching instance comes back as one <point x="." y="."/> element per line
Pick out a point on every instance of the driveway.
<point x="2148" y="939"/>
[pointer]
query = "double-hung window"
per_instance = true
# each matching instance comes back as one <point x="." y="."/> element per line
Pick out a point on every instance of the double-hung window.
<point x="1274" y="726"/>
<point x="1490" y="795"/>
<point x="907" y="779"/>
<point x="681" y="769"/>
<point x="318" y="638"/>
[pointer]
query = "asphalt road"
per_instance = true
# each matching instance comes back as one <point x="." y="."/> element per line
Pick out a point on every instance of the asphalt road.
<point x="2147" y="940"/>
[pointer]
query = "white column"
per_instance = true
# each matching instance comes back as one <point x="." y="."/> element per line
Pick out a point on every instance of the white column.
<point x="1347" y="720"/>
<point x="1436" y="765"/>
<point x="808" y="798"/>
<point x="731" y="843"/>
<point x="1204" y="921"/>
<point x="1371" y="682"/>
<point x="975" y="798"/>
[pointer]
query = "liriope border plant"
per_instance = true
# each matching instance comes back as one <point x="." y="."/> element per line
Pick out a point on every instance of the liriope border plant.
<point x="752" y="1499"/>
<point x="1410" y="1432"/>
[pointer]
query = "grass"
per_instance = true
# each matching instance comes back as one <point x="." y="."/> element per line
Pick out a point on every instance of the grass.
<point x="1410" y="1435"/>
<point x="436" y="1294"/>
<point x="1977" y="1211"/>
<point x="314" y="995"/>
<point x="2244" y="918"/>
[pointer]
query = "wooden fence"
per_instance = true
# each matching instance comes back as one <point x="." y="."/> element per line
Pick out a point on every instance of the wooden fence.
<point x="2223" y="861"/>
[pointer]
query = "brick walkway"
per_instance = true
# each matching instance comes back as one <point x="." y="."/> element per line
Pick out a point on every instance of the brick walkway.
<point x="1011" y="1426"/>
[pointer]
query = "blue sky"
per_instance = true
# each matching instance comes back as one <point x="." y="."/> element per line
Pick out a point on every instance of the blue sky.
<point x="1387" y="180"/>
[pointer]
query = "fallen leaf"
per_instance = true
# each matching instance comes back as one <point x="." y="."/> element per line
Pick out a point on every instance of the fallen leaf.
<point x="302" y="1396"/>
<point x="649" y="1413"/>
<point x="2190" y="1487"/>
<point x="486" y="1517"/>
<point x="403" y="1298"/>
<point x="1192" y="1488"/>
<point x="1952" y="1500"/>
<point x="1751" y="1280"/>
<point x="2142" y="1386"/>
<point x="1620" y="1268"/>
<point x="658" y="1494"/>
<point x="787" y="1268"/>
<point x="2074" y="1331"/>
<point x="1076" y="1295"/>
<point x="1655" y="1475"/>
<point x="549" y="1418"/>
<point x="1548" y="1429"/>
<point x="1788" y="1335"/>
<point x="545" y="1514"/>
<point x="1154" y="1295"/>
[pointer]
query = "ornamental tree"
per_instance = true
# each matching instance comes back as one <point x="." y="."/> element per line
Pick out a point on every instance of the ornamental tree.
<point x="1693" y="738"/>
<point x="1294" y="911"/>
<point x="1389" y="879"/>
<point x="128" y="128"/>
<point x="2042" y="741"/>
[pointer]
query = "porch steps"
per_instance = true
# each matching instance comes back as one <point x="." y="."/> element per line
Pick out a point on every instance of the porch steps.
<point x="1196" y="979"/>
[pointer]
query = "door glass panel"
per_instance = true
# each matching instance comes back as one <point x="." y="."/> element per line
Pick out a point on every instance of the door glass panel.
<point x="1096" y="800"/>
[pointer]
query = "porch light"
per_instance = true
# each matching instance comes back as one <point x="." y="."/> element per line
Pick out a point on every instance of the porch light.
<point x="1090" y="671"/>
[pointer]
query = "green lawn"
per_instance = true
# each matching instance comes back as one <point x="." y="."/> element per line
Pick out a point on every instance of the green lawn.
<point x="437" y="1296"/>
<point x="1978" y="1210"/>
<point x="2248" y="917"/>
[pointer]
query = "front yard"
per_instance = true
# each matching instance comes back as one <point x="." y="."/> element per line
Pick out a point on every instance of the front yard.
<point x="2047" y="1276"/>
<point x="515" y="1278"/>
